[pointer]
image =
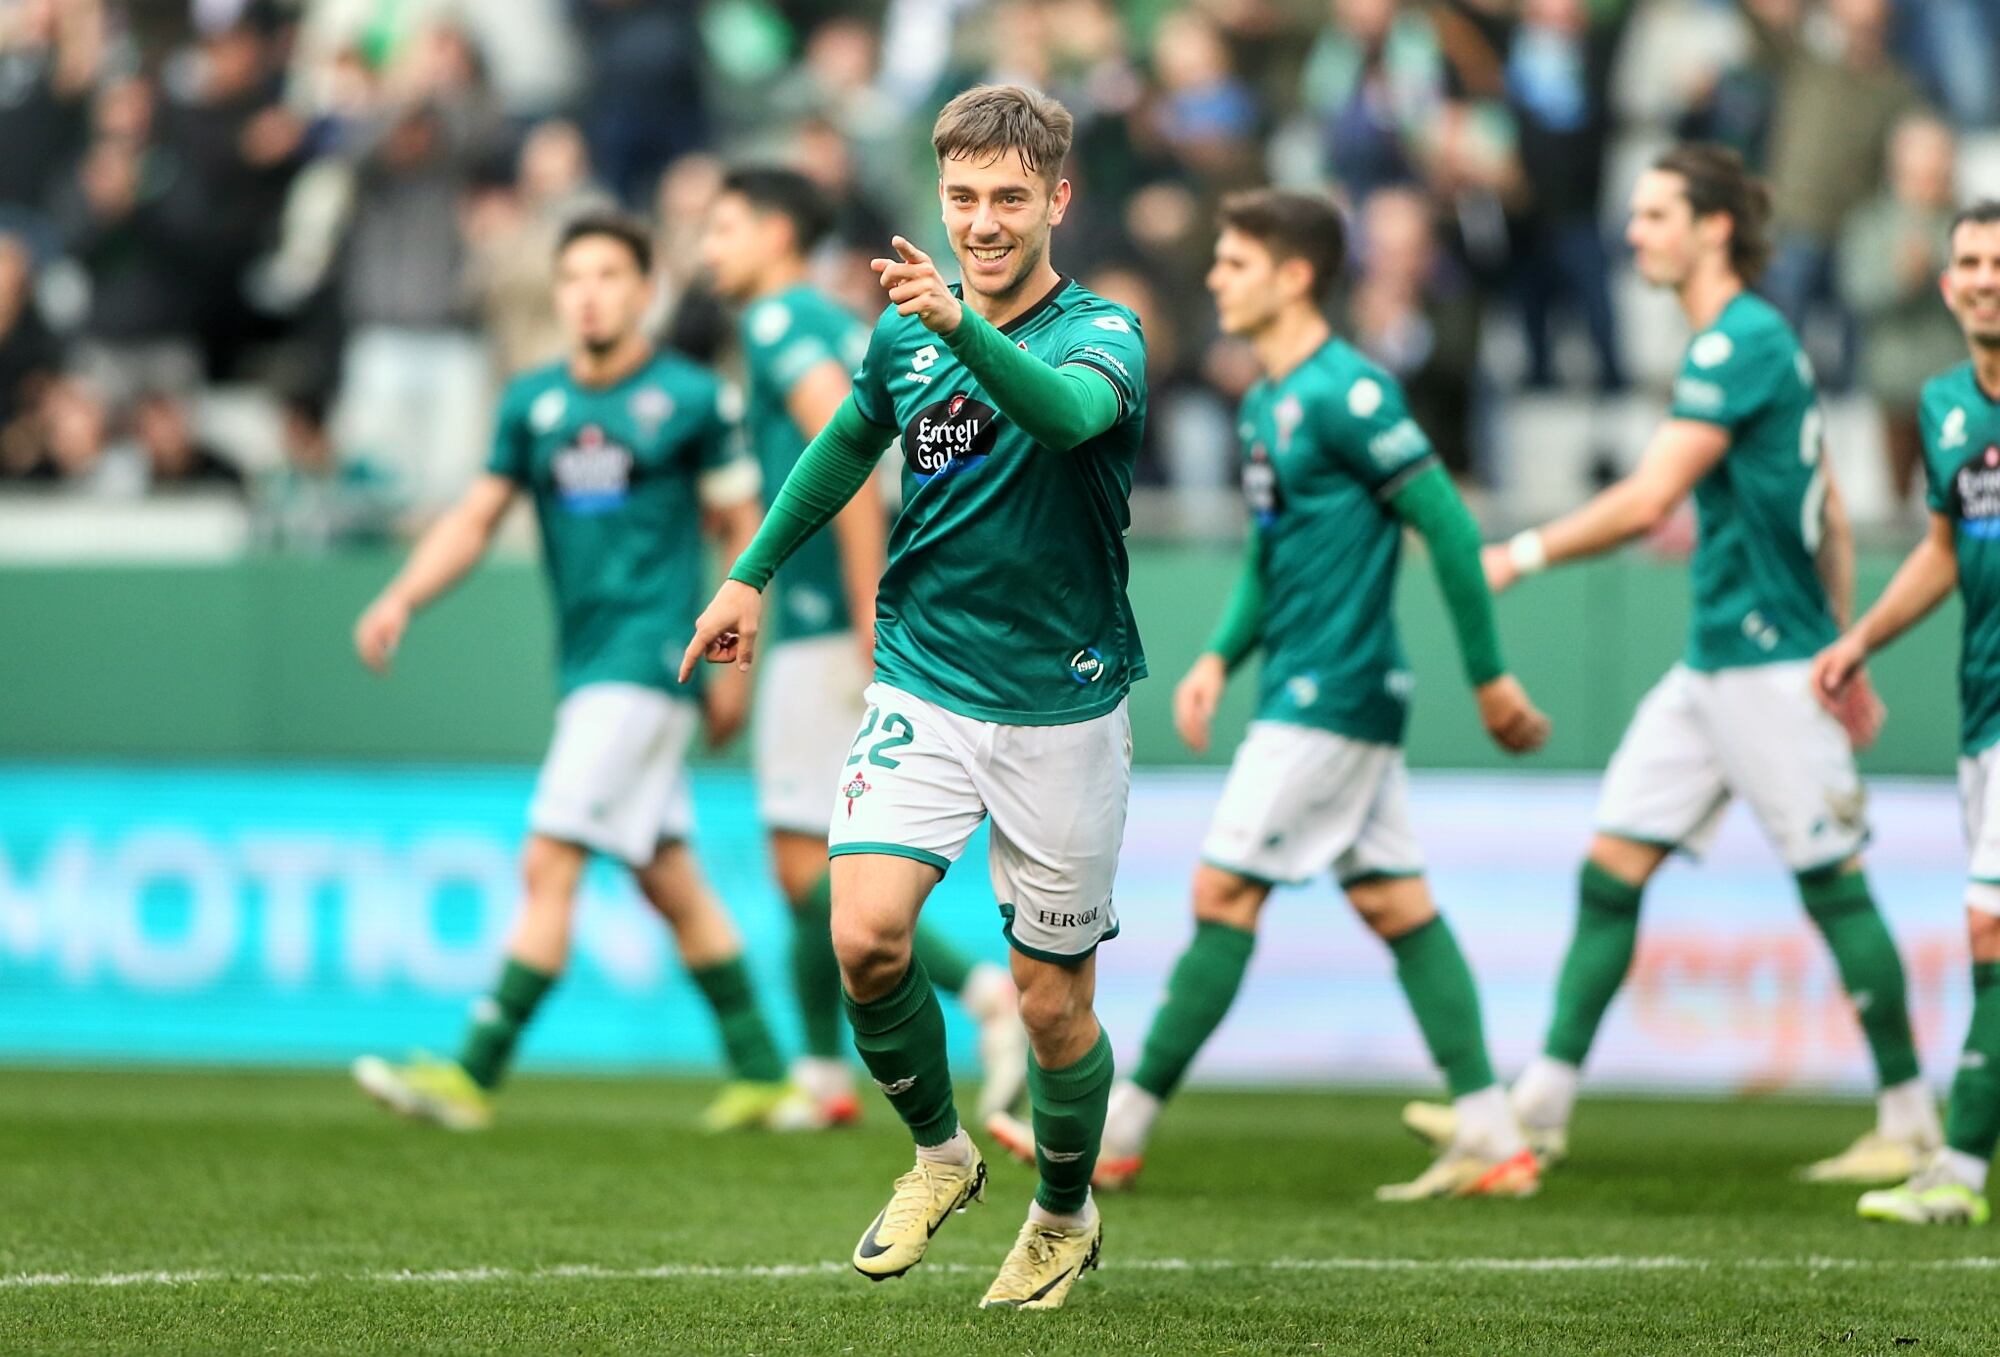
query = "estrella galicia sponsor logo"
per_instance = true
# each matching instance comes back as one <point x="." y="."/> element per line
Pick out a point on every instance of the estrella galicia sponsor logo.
<point x="1261" y="488"/>
<point x="1054" y="918"/>
<point x="593" y="475"/>
<point x="1975" y="494"/>
<point x="1087" y="665"/>
<point x="948" y="436"/>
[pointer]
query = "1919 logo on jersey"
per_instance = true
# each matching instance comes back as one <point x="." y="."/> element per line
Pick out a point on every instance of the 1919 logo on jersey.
<point x="1087" y="665"/>
<point x="949" y="436"/>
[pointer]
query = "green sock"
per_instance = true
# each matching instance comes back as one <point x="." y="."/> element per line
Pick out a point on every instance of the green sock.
<point x="497" y="1021"/>
<point x="901" y="1040"/>
<point x="1840" y="906"/>
<point x="1972" y="1124"/>
<point x="1199" y="991"/>
<point x="1438" y="984"/>
<point x="947" y="967"/>
<point x="1600" y="953"/>
<point x="752" y="1054"/>
<point x="816" y="973"/>
<point x="1068" y="1112"/>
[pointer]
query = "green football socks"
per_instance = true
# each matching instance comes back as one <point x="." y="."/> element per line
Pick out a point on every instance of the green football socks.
<point x="1600" y="953"/>
<point x="1438" y="984"/>
<point x="746" y="1041"/>
<point x="1841" y="908"/>
<point x="816" y="973"/>
<point x="901" y="1040"/>
<point x="1068" y="1116"/>
<point x="1972" y="1123"/>
<point x="1199" y="991"/>
<point x="498" y="1019"/>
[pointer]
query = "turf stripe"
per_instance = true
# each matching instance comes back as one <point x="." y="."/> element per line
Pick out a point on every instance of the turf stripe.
<point x="673" y="1271"/>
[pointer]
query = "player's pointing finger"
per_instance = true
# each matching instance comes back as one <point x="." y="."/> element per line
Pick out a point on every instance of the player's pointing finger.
<point x="911" y="254"/>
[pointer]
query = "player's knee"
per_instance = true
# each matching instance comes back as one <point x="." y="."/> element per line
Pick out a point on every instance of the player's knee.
<point x="1391" y="907"/>
<point x="1223" y="897"/>
<point x="1628" y="860"/>
<point x="1982" y="930"/>
<point x="1050" y="1007"/>
<point x="872" y="957"/>
<point x="548" y="874"/>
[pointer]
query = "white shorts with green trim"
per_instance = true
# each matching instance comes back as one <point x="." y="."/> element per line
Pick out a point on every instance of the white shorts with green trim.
<point x="918" y="780"/>
<point x="1299" y="801"/>
<point x="808" y="703"/>
<point x="1699" y="739"/>
<point x="1977" y="774"/>
<point x="614" y="779"/>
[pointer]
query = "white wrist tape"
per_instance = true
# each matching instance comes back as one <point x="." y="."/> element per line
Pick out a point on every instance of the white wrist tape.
<point x="1526" y="551"/>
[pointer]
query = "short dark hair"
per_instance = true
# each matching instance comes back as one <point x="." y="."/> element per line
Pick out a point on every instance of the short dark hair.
<point x="1985" y="212"/>
<point x="627" y="231"/>
<point x="1717" y="181"/>
<point x="791" y="195"/>
<point x="1293" y="226"/>
<point x="991" y="120"/>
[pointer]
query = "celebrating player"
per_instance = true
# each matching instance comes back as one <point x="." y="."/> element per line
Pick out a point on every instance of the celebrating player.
<point x="799" y="347"/>
<point x="1333" y="469"/>
<point x="1960" y="417"/>
<point x="1004" y="645"/>
<point x="624" y="452"/>
<point x="1773" y="570"/>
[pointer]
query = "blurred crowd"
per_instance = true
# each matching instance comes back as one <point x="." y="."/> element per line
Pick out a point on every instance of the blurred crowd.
<point x="288" y="249"/>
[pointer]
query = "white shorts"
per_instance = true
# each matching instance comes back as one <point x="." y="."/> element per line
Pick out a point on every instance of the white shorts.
<point x="1700" y="738"/>
<point x="918" y="779"/>
<point x="808" y="704"/>
<point x="1976" y="776"/>
<point x="615" y="778"/>
<point x="1299" y="801"/>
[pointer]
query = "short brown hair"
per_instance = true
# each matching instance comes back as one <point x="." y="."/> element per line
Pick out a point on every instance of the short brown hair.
<point x="627" y="231"/>
<point x="1717" y="181"/>
<point x="991" y="120"/>
<point x="1293" y="226"/>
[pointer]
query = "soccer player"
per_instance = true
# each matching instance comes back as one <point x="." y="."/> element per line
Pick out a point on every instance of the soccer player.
<point x="1773" y="577"/>
<point x="1004" y="645"/>
<point x="798" y="348"/>
<point x="625" y="453"/>
<point x="1333" y="470"/>
<point x="1960" y="416"/>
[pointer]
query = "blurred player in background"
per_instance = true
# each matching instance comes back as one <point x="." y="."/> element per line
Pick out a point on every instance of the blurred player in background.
<point x="1960" y="418"/>
<point x="627" y="454"/>
<point x="798" y="348"/>
<point x="1773" y="577"/>
<point x="1004" y="646"/>
<point x="1334" y="468"/>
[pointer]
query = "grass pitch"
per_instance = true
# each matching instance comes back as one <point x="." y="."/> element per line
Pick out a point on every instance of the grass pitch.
<point x="219" y="1213"/>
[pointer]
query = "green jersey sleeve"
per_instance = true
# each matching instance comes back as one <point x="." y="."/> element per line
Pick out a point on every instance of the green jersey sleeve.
<point x="512" y="442"/>
<point x="1111" y="345"/>
<point x="1930" y="426"/>
<point x="871" y="379"/>
<point x="1372" y="434"/>
<point x="1726" y="378"/>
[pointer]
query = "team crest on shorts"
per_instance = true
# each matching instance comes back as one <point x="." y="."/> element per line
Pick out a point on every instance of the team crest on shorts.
<point x="854" y="791"/>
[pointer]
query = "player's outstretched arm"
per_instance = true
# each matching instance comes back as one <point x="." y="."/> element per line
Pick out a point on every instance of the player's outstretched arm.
<point x="1237" y="633"/>
<point x="443" y="555"/>
<point x="1059" y="407"/>
<point x="1430" y="504"/>
<point x="1923" y="581"/>
<point x="1681" y="453"/>
<point x="860" y="530"/>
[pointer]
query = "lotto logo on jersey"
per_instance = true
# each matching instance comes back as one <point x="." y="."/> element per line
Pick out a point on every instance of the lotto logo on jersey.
<point x="593" y="475"/>
<point x="1975" y="493"/>
<point x="949" y="436"/>
<point x="1261" y="489"/>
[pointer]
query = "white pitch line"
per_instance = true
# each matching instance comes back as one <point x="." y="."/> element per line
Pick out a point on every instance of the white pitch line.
<point x="781" y="1271"/>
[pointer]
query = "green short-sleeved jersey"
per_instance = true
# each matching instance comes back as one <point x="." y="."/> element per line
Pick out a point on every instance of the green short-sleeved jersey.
<point x="1758" y="597"/>
<point x="785" y="336"/>
<point x="615" y="475"/>
<point x="1004" y="597"/>
<point x="1961" y="429"/>
<point x="1324" y="448"/>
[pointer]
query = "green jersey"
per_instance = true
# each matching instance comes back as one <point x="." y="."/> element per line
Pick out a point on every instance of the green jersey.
<point x="1004" y="597"/>
<point x="615" y="473"/>
<point x="1961" y="429"/>
<point x="786" y="336"/>
<point x="1324" y="449"/>
<point x="1758" y="598"/>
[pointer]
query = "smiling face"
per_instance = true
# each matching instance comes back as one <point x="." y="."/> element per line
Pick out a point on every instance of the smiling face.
<point x="1972" y="281"/>
<point x="998" y="214"/>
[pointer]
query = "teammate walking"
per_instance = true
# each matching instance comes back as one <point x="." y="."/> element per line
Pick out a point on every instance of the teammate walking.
<point x="799" y="346"/>
<point x="624" y="451"/>
<point x="1333" y="470"/>
<point x="1960" y="418"/>
<point x="1773" y="577"/>
<point x="1004" y="645"/>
